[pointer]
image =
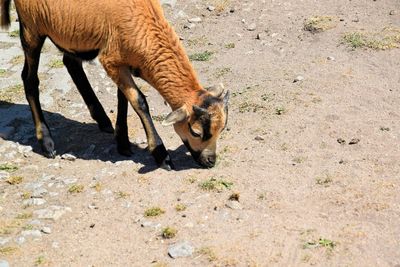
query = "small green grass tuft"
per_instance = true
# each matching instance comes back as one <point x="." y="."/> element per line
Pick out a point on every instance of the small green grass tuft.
<point x="121" y="194"/>
<point x="214" y="184"/>
<point x="16" y="60"/>
<point x="204" y="56"/>
<point x="280" y="110"/>
<point x="76" y="188"/>
<point x="26" y="195"/>
<point x="24" y="216"/>
<point x="180" y="207"/>
<point x="230" y="45"/>
<point x="8" y="167"/>
<point x="8" y="250"/>
<point x="324" y="180"/>
<point x="318" y="24"/>
<point x="326" y="243"/>
<point x="220" y="72"/>
<point x="3" y="72"/>
<point x="56" y="63"/>
<point x="208" y="252"/>
<point x="97" y="186"/>
<point x="40" y="260"/>
<point x="153" y="212"/>
<point x="169" y="232"/>
<point x="14" y="33"/>
<point x="13" y="180"/>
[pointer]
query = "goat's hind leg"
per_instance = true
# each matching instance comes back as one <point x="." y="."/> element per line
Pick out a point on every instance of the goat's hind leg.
<point x="30" y="79"/>
<point x="121" y="127"/>
<point x="75" y="70"/>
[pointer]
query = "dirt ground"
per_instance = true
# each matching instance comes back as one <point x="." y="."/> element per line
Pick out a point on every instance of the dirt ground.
<point x="311" y="153"/>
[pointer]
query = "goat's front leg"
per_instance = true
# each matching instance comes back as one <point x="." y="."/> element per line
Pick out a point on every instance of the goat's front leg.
<point x="122" y="76"/>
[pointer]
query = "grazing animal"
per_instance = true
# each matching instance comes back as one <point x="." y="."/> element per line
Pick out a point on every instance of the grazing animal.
<point x="129" y="37"/>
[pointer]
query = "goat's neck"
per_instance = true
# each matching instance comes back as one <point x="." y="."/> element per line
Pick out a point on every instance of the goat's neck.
<point x="168" y="70"/>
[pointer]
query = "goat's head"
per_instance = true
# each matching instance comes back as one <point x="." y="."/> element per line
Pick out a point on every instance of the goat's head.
<point x="200" y="125"/>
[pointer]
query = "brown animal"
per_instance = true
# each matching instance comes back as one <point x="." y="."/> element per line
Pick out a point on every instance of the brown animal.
<point x="130" y="37"/>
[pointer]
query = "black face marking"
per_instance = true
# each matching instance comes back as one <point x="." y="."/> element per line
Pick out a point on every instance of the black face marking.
<point x="195" y="154"/>
<point x="209" y="101"/>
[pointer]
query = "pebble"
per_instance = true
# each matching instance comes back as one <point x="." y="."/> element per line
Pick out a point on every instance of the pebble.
<point x="33" y="233"/>
<point x="354" y="141"/>
<point x="20" y="240"/>
<point x="4" y="175"/>
<point x="235" y="205"/>
<point x="330" y="58"/>
<point x="211" y="8"/>
<point x="39" y="193"/>
<point x="392" y="12"/>
<point x="70" y="181"/>
<point x="341" y="141"/>
<point x="34" y="202"/>
<point x="181" y="249"/>
<point x="4" y="240"/>
<point x="170" y="3"/>
<point x="298" y="79"/>
<point x="4" y="263"/>
<point x="259" y="138"/>
<point x="261" y="36"/>
<point x="252" y="27"/>
<point x="68" y="156"/>
<point x="195" y="20"/>
<point x="55" y="245"/>
<point x="46" y="230"/>
<point x="150" y="224"/>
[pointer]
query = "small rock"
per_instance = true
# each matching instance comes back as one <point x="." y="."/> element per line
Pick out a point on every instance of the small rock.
<point x="341" y="161"/>
<point x="261" y="36"/>
<point x="211" y="8"/>
<point x="32" y="233"/>
<point x="354" y="141"/>
<point x="330" y="58"/>
<point x="20" y="240"/>
<point x="4" y="175"/>
<point x="392" y="12"/>
<point x="259" y="138"/>
<point x="341" y="141"/>
<point x="356" y="20"/>
<point x="39" y="193"/>
<point x="93" y="206"/>
<point x="232" y="10"/>
<point x="4" y="263"/>
<point x="70" y="181"/>
<point x="55" y="245"/>
<point x="150" y="224"/>
<point x="35" y="222"/>
<point x="53" y="213"/>
<point x="252" y="27"/>
<point x="4" y="240"/>
<point x="181" y="249"/>
<point x="68" y="156"/>
<point x="195" y="20"/>
<point x="34" y="202"/>
<point x="33" y="186"/>
<point x="46" y="230"/>
<point x="170" y="3"/>
<point x="298" y="79"/>
<point x="235" y="205"/>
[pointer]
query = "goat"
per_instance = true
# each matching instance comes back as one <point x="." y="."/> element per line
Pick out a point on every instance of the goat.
<point x="129" y="37"/>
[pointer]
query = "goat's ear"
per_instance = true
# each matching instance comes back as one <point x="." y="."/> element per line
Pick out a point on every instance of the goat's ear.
<point x="226" y="98"/>
<point x="216" y="90"/>
<point x="175" y="116"/>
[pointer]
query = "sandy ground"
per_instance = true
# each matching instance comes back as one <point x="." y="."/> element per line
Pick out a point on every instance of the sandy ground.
<point x="306" y="196"/>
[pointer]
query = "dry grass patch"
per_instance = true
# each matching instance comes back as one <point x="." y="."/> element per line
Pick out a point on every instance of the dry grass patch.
<point x="318" y="24"/>
<point x="76" y="188"/>
<point x="387" y="38"/>
<point x="153" y="212"/>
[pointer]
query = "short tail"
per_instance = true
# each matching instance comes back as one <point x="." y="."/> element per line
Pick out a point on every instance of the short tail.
<point x="5" y="13"/>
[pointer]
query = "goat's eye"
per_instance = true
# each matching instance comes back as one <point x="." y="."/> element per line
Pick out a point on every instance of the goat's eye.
<point x="195" y="134"/>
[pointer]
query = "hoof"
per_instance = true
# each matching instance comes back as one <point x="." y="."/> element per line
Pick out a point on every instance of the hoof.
<point x="47" y="145"/>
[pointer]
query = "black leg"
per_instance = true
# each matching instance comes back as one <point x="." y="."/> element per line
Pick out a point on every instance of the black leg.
<point x="31" y="86"/>
<point x="121" y="127"/>
<point x="75" y="69"/>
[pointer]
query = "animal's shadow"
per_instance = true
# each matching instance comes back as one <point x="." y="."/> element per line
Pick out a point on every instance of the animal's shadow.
<point x="84" y="140"/>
